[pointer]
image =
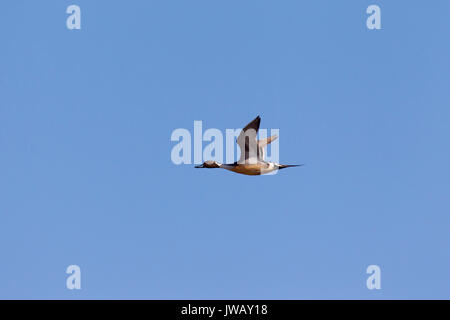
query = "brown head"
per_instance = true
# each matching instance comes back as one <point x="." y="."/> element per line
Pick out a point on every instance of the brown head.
<point x="209" y="164"/>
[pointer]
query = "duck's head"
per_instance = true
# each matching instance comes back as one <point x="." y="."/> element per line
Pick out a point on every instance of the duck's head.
<point x="209" y="164"/>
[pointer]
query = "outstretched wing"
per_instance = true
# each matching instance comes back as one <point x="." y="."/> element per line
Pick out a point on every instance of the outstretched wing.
<point x="247" y="142"/>
<point x="262" y="144"/>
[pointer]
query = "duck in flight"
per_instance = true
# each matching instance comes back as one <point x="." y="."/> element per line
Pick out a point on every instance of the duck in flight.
<point x="252" y="160"/>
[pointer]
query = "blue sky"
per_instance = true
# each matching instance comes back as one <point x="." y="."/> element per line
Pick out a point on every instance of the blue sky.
<point x="85" y="171"/>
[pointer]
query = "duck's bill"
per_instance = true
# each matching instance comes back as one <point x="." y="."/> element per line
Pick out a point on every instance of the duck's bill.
<point x="199" y="166"/>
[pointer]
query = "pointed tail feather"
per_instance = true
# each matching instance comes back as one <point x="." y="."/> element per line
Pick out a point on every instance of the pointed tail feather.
<point x="282" y="166"/>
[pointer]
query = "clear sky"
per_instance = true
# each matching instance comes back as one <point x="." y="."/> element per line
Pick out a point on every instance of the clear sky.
<point x="86" y="176"/>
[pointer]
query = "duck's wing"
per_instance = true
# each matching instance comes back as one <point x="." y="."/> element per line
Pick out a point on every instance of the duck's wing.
<point x="262" y="143"/>
<point x="247" y="142"/>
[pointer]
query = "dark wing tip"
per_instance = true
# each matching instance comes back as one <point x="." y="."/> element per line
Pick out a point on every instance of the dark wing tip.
<point x="254" y="124"/>
<point x="256" y="120"/>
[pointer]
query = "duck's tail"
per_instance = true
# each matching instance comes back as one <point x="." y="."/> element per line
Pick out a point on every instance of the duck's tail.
<point x="282" y="166"/>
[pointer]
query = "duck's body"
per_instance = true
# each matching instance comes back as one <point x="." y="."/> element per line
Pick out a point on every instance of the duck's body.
<point x="249" y="169"/>
<point x="252" y="154"/>
<point x="255" y="169"/>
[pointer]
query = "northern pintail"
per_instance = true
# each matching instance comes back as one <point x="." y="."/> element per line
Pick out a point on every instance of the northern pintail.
<point x="252" y="157"/>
